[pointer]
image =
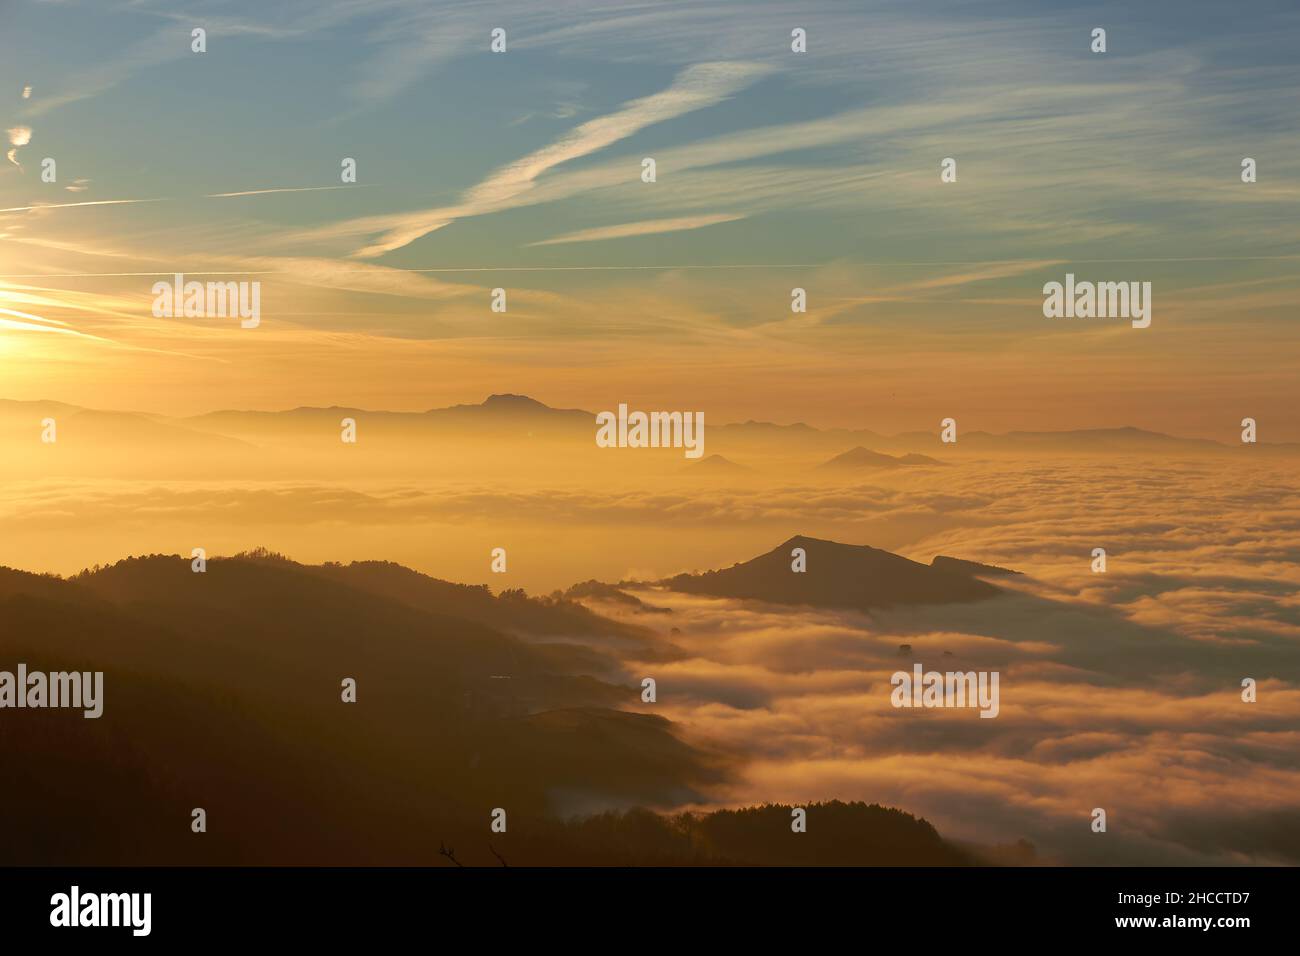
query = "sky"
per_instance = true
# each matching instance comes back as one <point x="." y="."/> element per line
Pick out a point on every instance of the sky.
<point x="522" y="170"/>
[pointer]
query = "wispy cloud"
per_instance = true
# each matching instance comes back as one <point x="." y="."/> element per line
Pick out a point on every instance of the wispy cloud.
<point x="26" y="322"/>
<point x="19" y="136"/>
<point x="646" y="227"/>
<point x="286" y="189"/>
<point x="160" y="47"/>
<point x="695" y="88"/>
<point x="81" y="184"/>
<point x="72" y="205"/>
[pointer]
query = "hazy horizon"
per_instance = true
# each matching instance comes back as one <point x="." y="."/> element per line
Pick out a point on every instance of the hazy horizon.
<point x="1228" y="430"/>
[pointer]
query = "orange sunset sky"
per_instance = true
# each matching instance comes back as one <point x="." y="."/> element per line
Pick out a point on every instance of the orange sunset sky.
<point x="775" y="170"/>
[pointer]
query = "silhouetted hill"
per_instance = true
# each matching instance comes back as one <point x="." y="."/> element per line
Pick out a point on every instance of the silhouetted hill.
<point x="598" y="590"/>
<point x="642" y="756"/>
<point x="222" y="691"/>
<point x="865" y="458"/>
<point x="1091" y="441"/>
<point x="496" y="416"/>
<point x="13" y="581"/>
<point x="716" y="465"/>
<point x="517" y="407"/>
<point x="958" y="566"/>
<point x="838" y="834"/>
<point x="837" y="575"/>
<point x="511" y="610"/>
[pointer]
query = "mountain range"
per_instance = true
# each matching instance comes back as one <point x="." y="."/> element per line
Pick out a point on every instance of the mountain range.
<point x="222" y="691"/>
<point x="507" y="415"/>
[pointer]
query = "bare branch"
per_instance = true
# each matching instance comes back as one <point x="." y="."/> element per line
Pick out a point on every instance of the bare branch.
<point x="449" y="853"/>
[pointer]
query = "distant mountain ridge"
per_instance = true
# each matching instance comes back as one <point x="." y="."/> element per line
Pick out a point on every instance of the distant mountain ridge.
<point x="837" y="576"/>
<point x="504" y="408"/>
<point x="717" y="465"/>
<point x="863" y="458"/>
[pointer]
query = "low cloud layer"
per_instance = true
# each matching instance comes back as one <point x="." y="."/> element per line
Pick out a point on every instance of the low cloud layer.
<point x="1092" y="715"/>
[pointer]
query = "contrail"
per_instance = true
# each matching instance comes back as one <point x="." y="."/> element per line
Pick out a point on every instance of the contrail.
<point x="67" y="205"/>
<point x="122" y="275"/>
<point x="36" y="323"/>
<point x="757" y="265"/>
<point x="274" y="272"/>
<point x="287" y="189"/>
<point x="118" y="202"/>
